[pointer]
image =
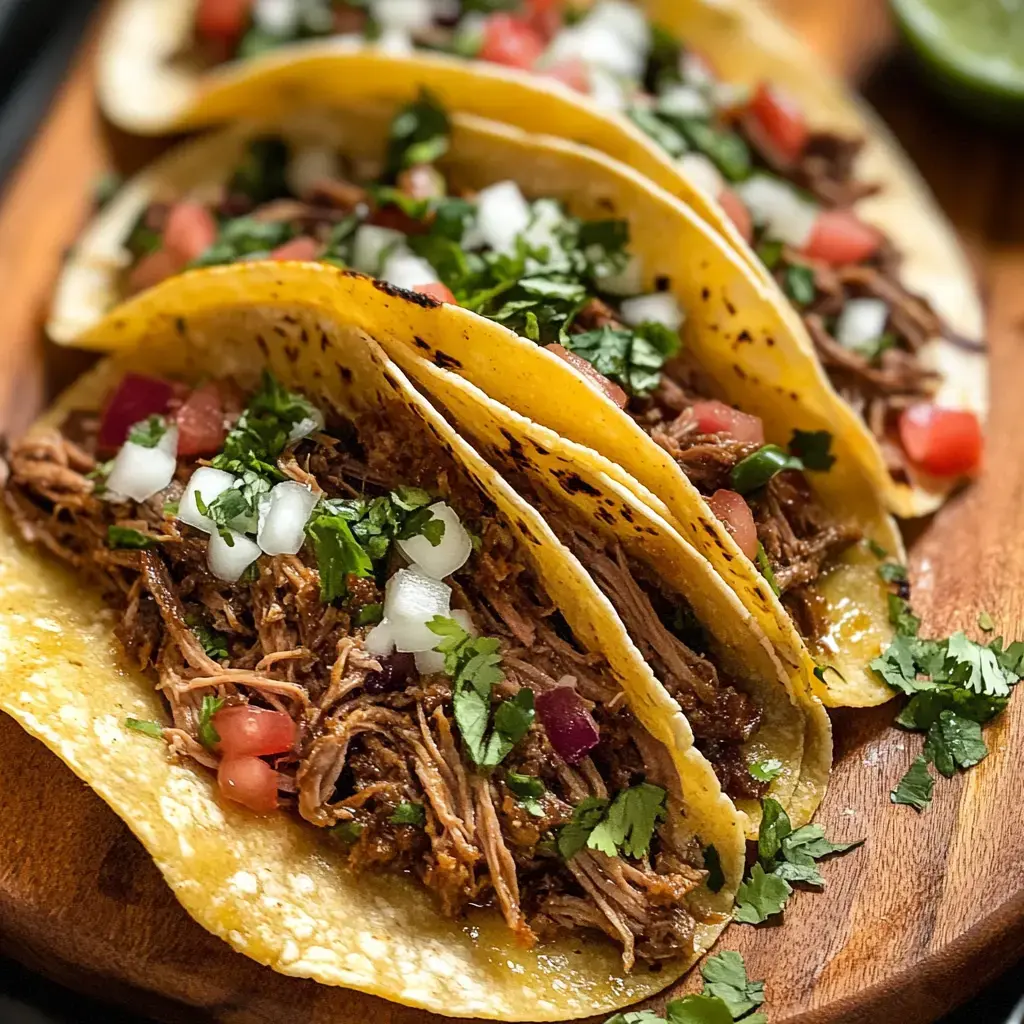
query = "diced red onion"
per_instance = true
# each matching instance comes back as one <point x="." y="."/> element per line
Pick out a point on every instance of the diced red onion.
<point x="502" y="215"/>
<point x="404" y="270"/>
<point x="228" y="561"/>
<point x="785" y="214"/>
<point x="139" y="472"/>
<point x="283" y="515"/>
<point x="450" y="554"/>
<point x="309" y="164"/>
<point x="137" y="398"/>
<point x="395" y="670"/>
<point x="861" y="322"/>
<point x="660" y="307"/>
<point x="411" y="600"/>
<point x="371" y="243"/>
<point x="209" y="483"/>
<point x="569" y="725"/>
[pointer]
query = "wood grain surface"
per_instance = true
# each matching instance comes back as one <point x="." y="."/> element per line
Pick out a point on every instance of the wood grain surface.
<point x="924" y="914"/>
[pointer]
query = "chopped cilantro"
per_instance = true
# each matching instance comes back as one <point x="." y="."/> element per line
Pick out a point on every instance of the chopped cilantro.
<point x="726" y="149"/>
<point x="893" y="572"/>
<point x="759" y="467"/>
<point x="105" y="187"/>
<point x="667" y="136"/>
<point x="876" y="549"/>
<point x="632" y="358"/>
<point x="985" y="623"/>
<point x="419" y="134"/>
<point x="760" y="896"/>
<point x="766" y="770"/>
<point x="154" y="729"/>
<point x="770" y="252"/>
<point x="902" y="616"/>
<point x="370" y="614"/>
<point x="625" y="826"/>
<point x="214" y="644"/>
<point x="528" y="790"/>
<point x="954" y="742"/>
<point x="125" y="537"/>
<point x="347" y="831"/>
<point x="261" y="175"/>
<point x="766" y="569"/>
<point x="813" y="448"/>
<point x="798" y="284"/>
<point x="147" y="433"/>
<point x="915" y="788"/>
<point x="713" y="866"/>
<point x="873" y="349"/>
<point x="171" y="508"/>
<point x="208" y="735"/>
<point x="243" y="237"/>
<point x="407" y="813"/>
<point x="338" y="555"/>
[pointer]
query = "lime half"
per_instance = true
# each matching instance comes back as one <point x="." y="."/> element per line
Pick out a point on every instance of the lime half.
<point x="974" y="47"/>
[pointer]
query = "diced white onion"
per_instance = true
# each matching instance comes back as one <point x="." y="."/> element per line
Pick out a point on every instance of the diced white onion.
<point x="228" y="561"/>
<point x="660" y="307"/>
<point x="411" y="600"/>
<point x="784" y="213"/>
<point x="370" y="245"/>
<point x="429" y="662"/>
<point x="465" y="620"/>
<point x="599" y="45"/>
<point x="283" y="515"/>
<point x="210" y="483"/>
<point x="405" y="270"/>
<point x="624" y="20"/>
<point x="139" y="472"/>
<point x="702" y="172"/>
<point x="379" y="642"/>
<point x="395" y="42"/>
<point x="684" y="101"/>
<point x="628" y="281"/>
<point x="695" y="70"/>
<point x="451" y="553"/>
<point x="861" y="321"/>
<point x="276" y="17"/>
<point x="606" y="90"/>
<point x="502" y="214"/>
<point x="307" y="425"/>
<point x="309" y="164"/>
<point x="731" y="95"/>
<point x="546" y="220"/>
<point x="407" y="16"/>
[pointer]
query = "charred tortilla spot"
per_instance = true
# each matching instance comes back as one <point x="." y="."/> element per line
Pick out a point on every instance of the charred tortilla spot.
<point x="538" y="449"/>
<point x="291" y="353"/>
<point x="662" y="283"/>
<point x="650" y="531"/>
<point x="730" y="307"/>
<point x="304" y="335"/>
<point x="280" y="331"/>
<point x="289" y="319"/>
<point x="573" y="483"/>
<point x="769" y="341"/>
<point x="705" y="294"/>
<point x="709" y="529"/>
<point x="346" y="374"/>
<point x="604" y="515"/>
<point x="179" y="325"/>
<point x="400" y="293"/>
<point x="263" y="346"/>
<point x="420" y="343"/>
<point x="324" y="341"/>
<point x="794" y="396"/>
<point x="739" y="371"/>
<point x="626" y="512"/>
<point x="445" y="361"/>
<point x="744" y="336"/>
<point x="606" y="204"/>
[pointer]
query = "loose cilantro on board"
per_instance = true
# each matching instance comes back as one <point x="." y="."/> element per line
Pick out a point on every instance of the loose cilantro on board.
<point x="915" y="788"/>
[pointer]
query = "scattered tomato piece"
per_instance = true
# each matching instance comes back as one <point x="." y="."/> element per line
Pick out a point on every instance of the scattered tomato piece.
<point x="511" y="41"/>
<point x="840" y="237"/>
<point x="200" y="420"/>
<point x="437" y="290"/>
<point x="736" y="210"/>
<point x="571" y="72"/>
<point x="943" y="442"/>
<point x="598" y="381"/>
<point x="222" y="20"/>
<point x="303" y="249"/>
<point x="715" y="417"/>
<point x="782" y="119"/>
<point x="735" y="515"/>
<point x="191" y="229"/>
<point x="545" y="17"/>
<point x="253" y="732"/>
<point x="250" y="782"/>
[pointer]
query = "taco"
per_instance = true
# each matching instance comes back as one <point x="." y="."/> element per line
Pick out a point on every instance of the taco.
<point x="375" y="724"/>
<point x="577" y="267"/>
<point x="801" y="178"/>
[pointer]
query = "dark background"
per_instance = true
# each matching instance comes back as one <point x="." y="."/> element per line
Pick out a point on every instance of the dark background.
<point x="37" y="39"/>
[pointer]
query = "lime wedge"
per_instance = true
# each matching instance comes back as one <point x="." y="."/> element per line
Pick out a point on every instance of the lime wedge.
<point x="975" y="48"/>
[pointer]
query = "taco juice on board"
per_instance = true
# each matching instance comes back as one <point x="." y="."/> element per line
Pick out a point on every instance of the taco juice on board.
<point x="582" y="270"/>
<point x="778" y="157"/>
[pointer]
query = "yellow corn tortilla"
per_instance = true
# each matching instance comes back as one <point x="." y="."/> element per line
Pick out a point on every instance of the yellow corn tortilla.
<point x="273" y="887"/>
<point x="144" y="88"/>
<point x="734" y="328"/>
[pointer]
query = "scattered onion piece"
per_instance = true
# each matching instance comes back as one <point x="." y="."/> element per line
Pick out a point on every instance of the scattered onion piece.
<point x="570" y="726"/>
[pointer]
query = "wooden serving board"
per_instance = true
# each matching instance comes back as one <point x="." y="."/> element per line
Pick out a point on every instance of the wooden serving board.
<point x="925" y="913"/>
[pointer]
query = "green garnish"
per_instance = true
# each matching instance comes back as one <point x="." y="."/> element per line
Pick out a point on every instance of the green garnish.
<point x="347" y="831"/>
<point x="261" y="174"/>
<point x="407" y="813"/>
<point x="813" y="448"/>
<point x="154" y="729"/>
<point x="625" y="826"/>
<point x="370" y="614"/>
<point x="105" y="187"/>
<point x="765" y="771"/>
<point x="244" y="237"/>
<point x="214" y="644"/>
<point x="420" y="134"/>
<point x="759" y="467"/>
<point x="893" y="572"/>
<point x="765" y="568"/>
<point x="632" y="358"/>
<point x="528" y="789"/>
<point x="915" y="788"/>
<point x="147" y="433"/>
<point x="798" y="284"/>
<point x="876" y="549"/>
<point x="338" y="555"/>
<point x="125" y="537"/>
<point x="208" y="735"/>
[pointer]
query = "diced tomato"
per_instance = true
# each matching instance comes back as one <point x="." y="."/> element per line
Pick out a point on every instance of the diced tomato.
<point x="782" y="119"/>
<point x="571" y="72"/>
<point x="718" y="418"/>
<point x="437" y="290"/>
<point x="221" y="20"/>
<point x="545" y="17"/>
<point x="736" y="210"/>
<point x="303" y="248"/>
<point x="598" y="381"/>
<point x="422" y="181"/>
<point x="943" y="442"/>
<point x="200" y="422"/>
<point x="839" y="237"/>
<point x="152" y="269"/>
<point x="136" y="398"/>
<point x="253" y="732"/>
<point x="250" y="782"/>
<point x="190" y="230"/>
<point x="510" y="40"/>
<point x="735" y="515"/>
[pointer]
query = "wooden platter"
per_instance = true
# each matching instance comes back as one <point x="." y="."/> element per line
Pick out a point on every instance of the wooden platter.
<point x="924" y="914"/>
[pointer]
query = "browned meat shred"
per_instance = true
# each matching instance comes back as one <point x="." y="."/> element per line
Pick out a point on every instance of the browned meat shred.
<point x="364" y="748"/>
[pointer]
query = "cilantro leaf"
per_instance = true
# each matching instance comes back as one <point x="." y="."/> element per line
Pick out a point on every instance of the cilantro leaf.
<point x="408" y="813"/>
<point x="208" y="735"/>
<point x="419" y="134"/>
<point x="775" y="826"/>
<point x="725" y="976"/>
<point x="765" y="568"/>
<point x="154" y="729"/>
<point x="798" y="284"/>
<point x="892" y="572"/>
<point x="629" y="823"/>
<point x="954" y="742"/>
<point x="698" y="1010"/>
<point x="761" y="896"/>
<point x="347" y="831"/>
<point x="633" y="358"/>
<point x="902" y="617"/>
<point x="147" y="433"/>
<point x="813" y="448"/>
<point x="528" y="790"/>
<point x="125" y="537"/>
<point x="512" y="721"/>
<point x="338" y="555"/>
<point x="585" y="817"/>
<point x="713" y="866"/>
<point x="915" y="788"/>
<point x="765" y="771"/>
<point x="214" y="644"/>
